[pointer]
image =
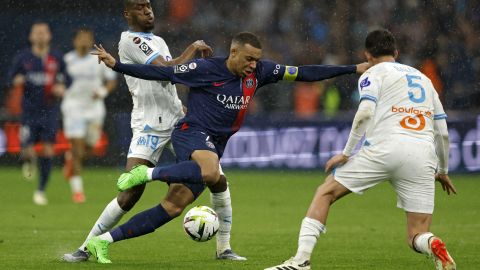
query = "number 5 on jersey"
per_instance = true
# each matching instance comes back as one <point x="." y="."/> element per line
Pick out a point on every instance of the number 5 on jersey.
<point x="412" y="84"/>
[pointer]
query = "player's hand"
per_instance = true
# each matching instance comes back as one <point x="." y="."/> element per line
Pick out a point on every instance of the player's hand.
<point x="19" y="79"/>
<point x="361" y="68"/>
<point x="335" y="161"/>
<point x="58" y="89"/>
<point x="446" y="183"/>
<point x="104" y="56"/>
<point x="203" y="48"/>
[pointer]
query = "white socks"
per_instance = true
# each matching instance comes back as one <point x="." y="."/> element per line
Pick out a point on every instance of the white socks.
<point x="422" y="243"/>
<point x="222" y="205"/>
<point x="149" y="173"/>
<point x="106" y="236"/>
<point x="309" y="233"/>
<point x="110" y="216"/>
<point x="76" y="184"/>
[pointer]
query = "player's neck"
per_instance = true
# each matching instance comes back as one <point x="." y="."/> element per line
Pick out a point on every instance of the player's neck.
<point x="230" y="67"/>
<point x="382" y="59"/>
<point x="40" y="51"/>
<point x="137" y="28"/>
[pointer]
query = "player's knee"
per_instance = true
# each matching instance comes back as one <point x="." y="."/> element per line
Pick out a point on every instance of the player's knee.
<point x="220" y="186"/>
<point x="211" y="176"/>
<point x="128" y="198"/>
<point x="173" y="209"/>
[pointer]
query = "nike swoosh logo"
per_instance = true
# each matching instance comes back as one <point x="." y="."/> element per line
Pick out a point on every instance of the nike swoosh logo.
<point x="217" y="84"/>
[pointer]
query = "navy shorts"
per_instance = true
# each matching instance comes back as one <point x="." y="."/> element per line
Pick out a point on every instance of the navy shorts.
<point x="40" y="131"/>
<point x="186" y="139"/>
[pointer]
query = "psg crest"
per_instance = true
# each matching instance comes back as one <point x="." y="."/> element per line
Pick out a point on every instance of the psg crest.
<point x="249" y="83"/>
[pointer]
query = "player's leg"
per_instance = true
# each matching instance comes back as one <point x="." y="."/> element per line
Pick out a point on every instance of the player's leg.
<point x="112" y="213"/>
<point x="76" y="181"/>
<point x="28" y="136"/>
<point x="314" y="223"/>
<point x="178" y="197"/>
<point x="414" y="183"/>
<point x="138" y="155"/>
<point x="199" y="163"/>
<point x="203" y="168"/>
<point x="222" y="205"/>
<point x="423" y="241"/>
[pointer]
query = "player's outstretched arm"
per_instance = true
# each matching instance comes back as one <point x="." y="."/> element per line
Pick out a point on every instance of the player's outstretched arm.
<point x="146" y="72"/>
<point x="311" y="73"/>
<point x="187" y="55"/>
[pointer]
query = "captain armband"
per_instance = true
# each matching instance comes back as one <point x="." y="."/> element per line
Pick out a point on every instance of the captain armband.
<point x="290" y="74"/>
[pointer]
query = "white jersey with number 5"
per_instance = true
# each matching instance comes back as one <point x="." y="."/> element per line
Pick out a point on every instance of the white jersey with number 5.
<point x="156" y="105"/>
<point x="407" y="103"/>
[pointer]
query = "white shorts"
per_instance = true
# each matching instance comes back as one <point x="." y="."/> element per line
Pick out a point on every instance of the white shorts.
<point x="78" y="127"/>
<point x="409" y="166"/>
<point x="149" y="145"/>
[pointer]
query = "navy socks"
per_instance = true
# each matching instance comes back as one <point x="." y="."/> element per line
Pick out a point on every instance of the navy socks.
<point x="183" y="172"/>
<point x="142" y="223"/>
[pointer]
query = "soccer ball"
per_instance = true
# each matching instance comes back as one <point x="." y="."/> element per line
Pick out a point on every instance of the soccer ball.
<point x="201" y="223"/>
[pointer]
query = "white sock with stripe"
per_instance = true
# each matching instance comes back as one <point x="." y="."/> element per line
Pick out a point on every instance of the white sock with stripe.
<point x="309" y="233"/>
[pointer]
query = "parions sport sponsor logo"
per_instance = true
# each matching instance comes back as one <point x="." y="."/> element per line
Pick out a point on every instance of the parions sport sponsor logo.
<point x="234" y="102"/>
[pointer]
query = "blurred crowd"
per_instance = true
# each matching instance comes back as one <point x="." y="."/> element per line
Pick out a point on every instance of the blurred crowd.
<point x="439" y="37"/>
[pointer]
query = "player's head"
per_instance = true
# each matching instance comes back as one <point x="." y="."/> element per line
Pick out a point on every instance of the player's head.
<point x="40" y="34"/>
<point x="83" y="40"/>
<point x="139" y="15"/>
<point x="245" y="52"/>
<point x="380" y="43"/>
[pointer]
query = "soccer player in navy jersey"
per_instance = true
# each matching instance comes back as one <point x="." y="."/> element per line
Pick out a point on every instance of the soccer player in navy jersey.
<point x="220" y="90"/>
<point x="41" y="72"/>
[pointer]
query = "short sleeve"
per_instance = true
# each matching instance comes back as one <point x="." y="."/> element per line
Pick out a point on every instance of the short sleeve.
<point x="369" y="87"/>
<point x="438" y="112"/>
<point x="140" y="49"/>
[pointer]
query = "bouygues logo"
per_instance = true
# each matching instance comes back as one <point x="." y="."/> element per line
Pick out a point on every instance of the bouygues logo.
<point x="416" y="121"/>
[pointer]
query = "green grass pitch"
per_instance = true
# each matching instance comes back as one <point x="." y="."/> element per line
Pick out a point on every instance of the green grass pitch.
<point x="364" y="232"/>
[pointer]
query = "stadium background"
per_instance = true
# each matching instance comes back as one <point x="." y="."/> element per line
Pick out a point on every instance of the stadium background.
<point x="290" y="125"/>
<point x="438" y="37"/>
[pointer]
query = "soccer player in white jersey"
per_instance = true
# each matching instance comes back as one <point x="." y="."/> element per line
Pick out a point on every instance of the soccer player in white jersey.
<point x="156" y="108"/>
<point x="406" y="143"/>
<point x="82" y="106"/>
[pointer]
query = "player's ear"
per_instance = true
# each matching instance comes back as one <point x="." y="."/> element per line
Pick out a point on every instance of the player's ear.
<point x="368" y="56"/>
<point x="395" y="54"/>
<point x="126" y="14"/>
<point x="233" y="51"/>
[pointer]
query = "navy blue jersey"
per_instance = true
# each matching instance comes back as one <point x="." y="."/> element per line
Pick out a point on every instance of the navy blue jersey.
<point x="218" y="99"/>
<point x="40" y="76"/>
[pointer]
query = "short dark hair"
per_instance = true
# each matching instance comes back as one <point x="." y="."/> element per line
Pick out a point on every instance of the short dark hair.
<point x="380" y="42"/>
<point x="243" y="38"/>
<point x="85" y="30"/>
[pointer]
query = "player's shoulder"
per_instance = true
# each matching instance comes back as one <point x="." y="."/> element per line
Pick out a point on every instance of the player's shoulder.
<point x="70" y="56"/>
<point x="56" y="54"/>
<point x="135" y="38"/>
<point x="23" y="53"/>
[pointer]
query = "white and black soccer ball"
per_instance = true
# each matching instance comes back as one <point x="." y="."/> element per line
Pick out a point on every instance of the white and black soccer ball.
<point x="201" y="223"/>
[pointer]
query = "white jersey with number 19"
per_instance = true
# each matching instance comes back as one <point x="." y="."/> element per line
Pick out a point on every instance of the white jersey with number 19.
<point x="156" y="105"/>
<point x="407" y="103"/>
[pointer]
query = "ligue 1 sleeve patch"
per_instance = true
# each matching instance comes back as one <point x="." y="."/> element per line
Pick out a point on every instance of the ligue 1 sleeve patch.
<point x="364" y="83"/>
<point x="181" y="69"/>
<point x="145" y="49"/>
